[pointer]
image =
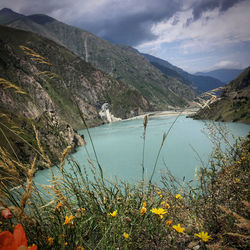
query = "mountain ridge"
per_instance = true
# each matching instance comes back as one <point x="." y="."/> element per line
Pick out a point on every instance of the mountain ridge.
<point x="201" y="83"/>
<point x="224" y="75"/>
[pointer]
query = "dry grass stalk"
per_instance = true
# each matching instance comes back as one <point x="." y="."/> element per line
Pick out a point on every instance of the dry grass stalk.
<point x="28" y="192"/>
<point x="8" y="85"/>
<point x="57" y="190"/>
<point x="34" y="56"/>
<point x="243" y="223"/>
<point x="64" y="154"/>
<point x="45" y="157"/>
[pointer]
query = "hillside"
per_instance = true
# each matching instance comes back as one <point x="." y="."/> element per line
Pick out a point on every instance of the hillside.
<point x="201" y="83"/>
<point x="54" y="79"/>
<point x="121" y="62"/>
<point x="233" y="104"/>
<point x="224" y="75"/>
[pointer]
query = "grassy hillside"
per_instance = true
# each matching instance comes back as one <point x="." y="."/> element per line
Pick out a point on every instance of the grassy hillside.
<point x="233" y="104"/>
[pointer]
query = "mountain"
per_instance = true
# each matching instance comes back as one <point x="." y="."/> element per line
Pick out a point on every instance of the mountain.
<point x="121" y="62"/>
<point x="7" y="15"/>
<point x="201" y="83"/>
<point x="41" y="82"/>
<point x="224" y="75"/>
<point x="233" y="104"/>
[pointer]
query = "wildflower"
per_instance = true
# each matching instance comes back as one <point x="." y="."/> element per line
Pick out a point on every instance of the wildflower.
<point x="113" y="214"/>
<point x="159" y="192"/>
<point x="143" y="210"/>
<point x="163" y="202"/>
<point x="6" y="214"/>
<point x="81" y="210"/>
<point x="69" y="219"/>
<point x="237" y="180"/>
<point x="167" y="206"/>
<point x="243" y="158"/>
<point x="160" y="195"/>
<point x="126" y="236"/>
<point x="159" y="211"/>
<point x="79" y="248"/>
<point x="178" y="228"/>
<point x="178" y="196"/>
<point x="169" y="222"/>
<point x="17" y="240"/>
<point x="51" y="241"/>
<point x="144" y="204"/>
<point x="204" y="236"/>
<point x="66" y="244"/>
<point x="59" y="205"/>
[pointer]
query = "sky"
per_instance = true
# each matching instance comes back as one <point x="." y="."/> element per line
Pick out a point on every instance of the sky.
<point x="196" y="35"/>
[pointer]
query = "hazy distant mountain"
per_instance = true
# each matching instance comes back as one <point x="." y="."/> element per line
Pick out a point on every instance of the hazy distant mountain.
<point x="224" y="75"/>
<point x="123" y="63"/>
<point x="234" y="102"/>
<point x="202" y="83"/>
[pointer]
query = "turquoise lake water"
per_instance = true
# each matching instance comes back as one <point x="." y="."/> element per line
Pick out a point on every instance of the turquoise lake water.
<point x="119" y="148"/>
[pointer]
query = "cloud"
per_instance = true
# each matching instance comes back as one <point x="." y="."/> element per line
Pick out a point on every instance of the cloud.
<point x="211" y="31"/>
<point x="227" y="65"/>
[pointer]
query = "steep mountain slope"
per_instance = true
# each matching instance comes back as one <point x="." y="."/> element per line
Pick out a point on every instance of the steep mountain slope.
<point x="224" y="75"/>
<point x="233" y="104"/>
<point x="123" y="63"/>
<point x="55" y="79"/>
<point x="201" y="83"/>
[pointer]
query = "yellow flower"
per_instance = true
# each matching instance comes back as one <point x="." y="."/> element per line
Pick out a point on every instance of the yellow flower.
<point x="51" y="241"/>
<point x="159" y="192"/>
<point x="126" y="236"/>
<point x="69" y="219"/>
<point x="178" y="196"/>
<point x="160" y="195"/>
<point x="204" y="236"/>
<point x="113" y="214"/>
<point x="237" y="180"/>
<point x="144" y="204"/>
<point x="79" y="248"/>
<point x="167" y="206"/>
<point x="163" y="202"/>
<point x="143" y="210"/>
<point x="66" y="244"/>
<point x="169" y="222"/>
<point x="59" y="205"/>
<point x="159" y="211"/>
<point x="178" y="228"/>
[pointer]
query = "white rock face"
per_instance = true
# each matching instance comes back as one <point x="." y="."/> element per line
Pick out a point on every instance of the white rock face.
<point x="106" y="115"/>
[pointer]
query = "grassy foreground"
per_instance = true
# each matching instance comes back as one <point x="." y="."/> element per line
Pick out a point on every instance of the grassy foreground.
<point x="82" y="210"/>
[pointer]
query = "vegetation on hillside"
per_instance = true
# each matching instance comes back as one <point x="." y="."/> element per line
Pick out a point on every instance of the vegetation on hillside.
<point x="233" y="104"/>
<point x="81" y="209"/>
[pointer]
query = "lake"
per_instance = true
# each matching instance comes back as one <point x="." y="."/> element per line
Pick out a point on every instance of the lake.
<point x="119" y="148"/>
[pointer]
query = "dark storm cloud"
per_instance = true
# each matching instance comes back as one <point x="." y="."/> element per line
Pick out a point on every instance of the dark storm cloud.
<point x="127" y="26"/>
<point x="205" y="5"/>
<point x="126" y="22"/>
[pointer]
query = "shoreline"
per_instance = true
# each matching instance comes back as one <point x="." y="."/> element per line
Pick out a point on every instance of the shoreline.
<point x="166" y="113"/>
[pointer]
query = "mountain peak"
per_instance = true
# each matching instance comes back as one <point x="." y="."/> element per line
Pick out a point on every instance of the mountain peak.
<point x="6" y="10"/>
